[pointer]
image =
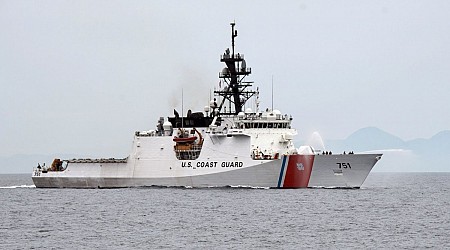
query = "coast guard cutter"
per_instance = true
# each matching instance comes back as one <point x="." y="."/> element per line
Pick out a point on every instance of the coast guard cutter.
<point x="227" y="144"/>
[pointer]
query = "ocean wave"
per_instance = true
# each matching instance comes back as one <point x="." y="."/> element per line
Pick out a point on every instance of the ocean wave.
<point x="21" y="186"/>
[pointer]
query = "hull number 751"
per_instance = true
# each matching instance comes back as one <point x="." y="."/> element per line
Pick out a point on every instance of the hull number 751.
<point x="344" y="165"/>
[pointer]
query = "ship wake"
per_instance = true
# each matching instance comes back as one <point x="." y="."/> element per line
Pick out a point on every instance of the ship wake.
<point x="20" y="186"/>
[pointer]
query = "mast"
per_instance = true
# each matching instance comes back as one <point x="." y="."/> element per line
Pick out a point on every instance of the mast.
<point x="272" y="92"/>
<point x="235" y="91"/>
<point x="182" y="109"/>
<point x="233" y="35"/>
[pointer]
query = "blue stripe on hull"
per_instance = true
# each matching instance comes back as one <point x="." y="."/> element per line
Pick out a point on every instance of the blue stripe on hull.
<point x="282" y="171"/>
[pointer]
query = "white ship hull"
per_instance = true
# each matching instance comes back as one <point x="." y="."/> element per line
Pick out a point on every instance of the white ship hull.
<point x="325" y="173"/>
<point x="152" y="163"/>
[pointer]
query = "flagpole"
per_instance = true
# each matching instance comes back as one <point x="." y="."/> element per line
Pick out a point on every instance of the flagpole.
<point x="182" y="109"/>
<point x="272" y="92"/>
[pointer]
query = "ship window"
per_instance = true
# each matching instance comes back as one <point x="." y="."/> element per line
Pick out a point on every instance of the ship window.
<point x="270" y="125"/>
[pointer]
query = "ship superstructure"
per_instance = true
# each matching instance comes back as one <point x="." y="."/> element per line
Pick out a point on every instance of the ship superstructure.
<point x="227" y="144"/>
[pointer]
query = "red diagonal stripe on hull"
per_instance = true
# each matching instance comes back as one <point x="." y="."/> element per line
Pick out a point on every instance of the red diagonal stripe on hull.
<point x="298" y="171"/>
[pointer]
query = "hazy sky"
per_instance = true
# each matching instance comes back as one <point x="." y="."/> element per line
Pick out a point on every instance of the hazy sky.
<point x="81" y="76"/>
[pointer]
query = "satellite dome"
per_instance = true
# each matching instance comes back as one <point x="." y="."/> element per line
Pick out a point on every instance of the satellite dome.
<point x="248" y="110"/>
<point x="167" y="125"/>
<point x="277" y="114"/>
<point x="306" y="150"/>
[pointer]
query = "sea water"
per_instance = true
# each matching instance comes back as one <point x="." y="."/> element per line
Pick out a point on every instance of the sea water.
<point x="391" y="210"/>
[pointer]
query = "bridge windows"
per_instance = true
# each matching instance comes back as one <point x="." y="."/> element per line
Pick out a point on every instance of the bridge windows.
<point x="249" y="125"/>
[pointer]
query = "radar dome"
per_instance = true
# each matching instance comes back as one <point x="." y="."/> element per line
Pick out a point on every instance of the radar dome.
<point x="306" y="150"/>
<point x="241" y="115"/>
<point x="277" y="114"/>
<point x="167" y="125"/>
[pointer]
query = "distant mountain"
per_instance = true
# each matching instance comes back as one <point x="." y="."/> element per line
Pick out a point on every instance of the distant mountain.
<point x="372" y="138"/>
<point x="438" y="144"/>
<point x="420" y="155"/>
